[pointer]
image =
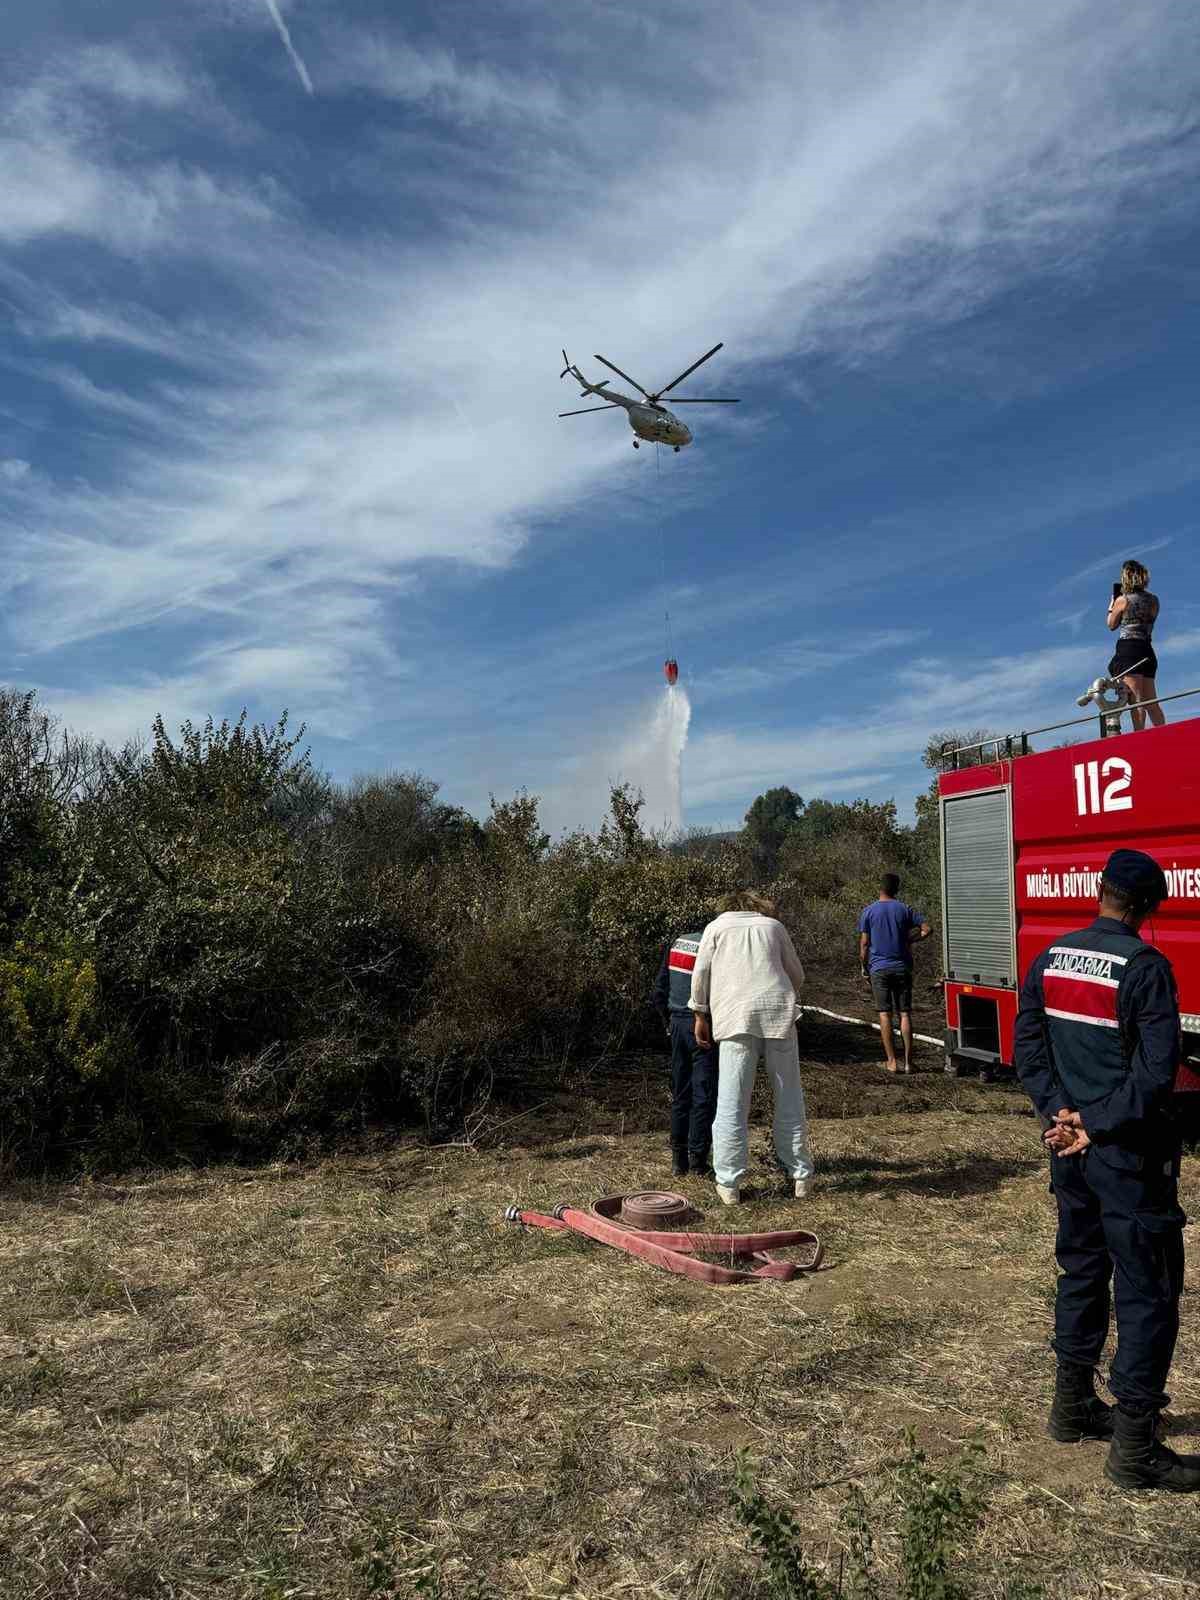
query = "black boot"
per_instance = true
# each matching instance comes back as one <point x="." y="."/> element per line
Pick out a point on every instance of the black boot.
<point x="1078" y="1413"/>
<point x="679" y="1161"/>
<point x="1137" y="1460"/>
<point x="699" y="1163"/>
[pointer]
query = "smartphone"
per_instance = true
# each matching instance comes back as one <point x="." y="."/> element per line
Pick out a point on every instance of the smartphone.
<point x="1116" y="591"/>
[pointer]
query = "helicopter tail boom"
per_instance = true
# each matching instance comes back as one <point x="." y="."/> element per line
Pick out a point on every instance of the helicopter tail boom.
<point x="600" y="389"/>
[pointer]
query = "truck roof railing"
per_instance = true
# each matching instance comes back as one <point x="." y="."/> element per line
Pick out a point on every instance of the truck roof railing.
<point x="1008" y="745"/>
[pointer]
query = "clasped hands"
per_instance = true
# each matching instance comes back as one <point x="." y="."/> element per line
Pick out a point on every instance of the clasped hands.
<point x="1067" y="1135"/>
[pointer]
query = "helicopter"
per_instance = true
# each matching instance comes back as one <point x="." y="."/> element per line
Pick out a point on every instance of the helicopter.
<point x="648" y="419"/>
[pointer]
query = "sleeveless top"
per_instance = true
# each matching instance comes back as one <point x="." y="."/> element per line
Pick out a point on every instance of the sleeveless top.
<point x="1139" y="615"/>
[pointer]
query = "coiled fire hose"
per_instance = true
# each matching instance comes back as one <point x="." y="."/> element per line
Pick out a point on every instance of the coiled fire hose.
<point x="637" y="1225"/>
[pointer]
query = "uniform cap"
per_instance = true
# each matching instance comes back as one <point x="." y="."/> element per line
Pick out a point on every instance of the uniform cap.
<point x="1136" y="874"/>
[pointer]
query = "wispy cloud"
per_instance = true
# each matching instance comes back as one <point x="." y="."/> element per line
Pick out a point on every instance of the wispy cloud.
<point x="60" y="134"/>
<point x="137" y="79"/>
<point x="360" y="400"/>
<point x="95" y="398"/>
<point x="814" y="658"/>
<point x="1110" y="562"/>
<point x="281" y="28"/>
<point x="436" y="80"/>
<point x="1182" y="644"/>
<point x="1073" y="621"/>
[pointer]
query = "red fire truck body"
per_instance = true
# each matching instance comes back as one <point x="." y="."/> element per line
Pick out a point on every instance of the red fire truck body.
<point x="1023" y="843"/>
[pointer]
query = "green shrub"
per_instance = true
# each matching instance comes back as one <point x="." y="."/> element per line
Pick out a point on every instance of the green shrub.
<point x="776" y="1539"/>
<point x="199" y="933"/>
<point x="940" y="1509"/>
<point x="57" y="1056"/>
<point x="43" y="770"/>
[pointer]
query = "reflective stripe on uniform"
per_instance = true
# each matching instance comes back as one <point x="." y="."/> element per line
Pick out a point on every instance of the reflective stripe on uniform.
<point x="683" y="955"/>
<point x="1075" y="1016"/>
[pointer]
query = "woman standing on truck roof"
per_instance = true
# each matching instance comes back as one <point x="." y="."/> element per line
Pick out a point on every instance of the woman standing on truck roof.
<point x="1134" y="610"/>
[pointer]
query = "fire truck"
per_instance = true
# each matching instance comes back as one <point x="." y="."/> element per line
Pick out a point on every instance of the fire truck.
<point x="1024" y="838"/>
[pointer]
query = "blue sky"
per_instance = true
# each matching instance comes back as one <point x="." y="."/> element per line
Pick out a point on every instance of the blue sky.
<point x="279" y="375"/>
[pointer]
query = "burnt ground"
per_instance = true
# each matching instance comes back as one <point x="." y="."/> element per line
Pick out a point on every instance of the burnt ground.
<point x="842" y="1069"/>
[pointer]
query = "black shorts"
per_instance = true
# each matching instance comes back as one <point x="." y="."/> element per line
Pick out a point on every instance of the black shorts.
<point x="1128" y="653"/>
<point x="892" y="991"/>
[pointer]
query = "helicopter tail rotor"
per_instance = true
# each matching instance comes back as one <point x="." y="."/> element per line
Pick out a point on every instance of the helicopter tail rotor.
<point x="566" y="365"/>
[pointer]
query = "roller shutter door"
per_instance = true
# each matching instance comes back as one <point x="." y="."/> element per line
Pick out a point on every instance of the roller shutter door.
<point x="979" y="895"/>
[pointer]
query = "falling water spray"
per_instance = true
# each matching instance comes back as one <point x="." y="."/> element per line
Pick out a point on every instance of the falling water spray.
<point x="678" y="719"/>
<point x="645" y="752"/>
<point x="653" y="761"/>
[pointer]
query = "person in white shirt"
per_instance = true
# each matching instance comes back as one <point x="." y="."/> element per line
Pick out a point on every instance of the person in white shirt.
<point x="745" y="989"/>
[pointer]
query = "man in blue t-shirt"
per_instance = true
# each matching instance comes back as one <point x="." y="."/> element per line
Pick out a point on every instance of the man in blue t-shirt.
<point x="887" y="931"/>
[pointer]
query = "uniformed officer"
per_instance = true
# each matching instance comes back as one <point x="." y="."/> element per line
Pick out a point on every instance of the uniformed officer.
<point x="1097" y="1048"/>
<point x="693" y="1066"/>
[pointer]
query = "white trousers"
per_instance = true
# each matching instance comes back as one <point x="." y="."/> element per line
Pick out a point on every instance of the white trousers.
<point x="735" y="1085"/>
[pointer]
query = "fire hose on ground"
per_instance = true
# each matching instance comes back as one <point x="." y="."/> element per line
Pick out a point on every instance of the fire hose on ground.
<point x="837" y="1016"/>
<point x="639" y="1225"/>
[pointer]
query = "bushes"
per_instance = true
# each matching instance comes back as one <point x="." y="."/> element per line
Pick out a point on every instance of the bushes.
<point x="546" y="952"/>
<point x="59" y="1060"/>
<point x="42" y="769"/>
<point x="212" y="948"/>
<point x="188" y="958"/>
<point x="206" y="945"/>
<point x="193" y="880"/>
<point x="262" y="967"/>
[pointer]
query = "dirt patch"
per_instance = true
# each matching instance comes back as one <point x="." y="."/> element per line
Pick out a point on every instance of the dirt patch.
<point x="841" y="1069"/>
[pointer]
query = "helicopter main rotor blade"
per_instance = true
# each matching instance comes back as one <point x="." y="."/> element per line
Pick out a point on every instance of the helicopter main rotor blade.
<point x="585" y="409"/>
<point x="690" y="370"/>
<point x="709" y="400"/>
<point x="628" y="379"/>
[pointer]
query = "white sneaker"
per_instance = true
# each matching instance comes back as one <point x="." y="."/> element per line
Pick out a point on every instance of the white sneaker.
<point x="728" y="1194"/>
<point x="802" y="1185"/>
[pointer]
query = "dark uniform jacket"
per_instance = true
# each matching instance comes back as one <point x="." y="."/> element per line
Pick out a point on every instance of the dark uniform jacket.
<point x="673" y="986"/>
<point x="1098" y="1033"/>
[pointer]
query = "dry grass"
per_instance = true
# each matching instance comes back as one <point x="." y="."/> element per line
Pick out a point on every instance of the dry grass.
<point x="352" y="1379"/>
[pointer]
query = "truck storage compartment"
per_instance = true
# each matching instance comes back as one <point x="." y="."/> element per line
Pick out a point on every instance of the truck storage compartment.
<point x="978" y="1025"/>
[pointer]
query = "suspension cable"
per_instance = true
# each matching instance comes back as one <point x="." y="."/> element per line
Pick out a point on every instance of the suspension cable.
<point x="662" y="542"/>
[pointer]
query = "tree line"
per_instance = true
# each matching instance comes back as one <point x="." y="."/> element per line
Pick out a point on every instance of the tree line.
<point x="208" y="947"/>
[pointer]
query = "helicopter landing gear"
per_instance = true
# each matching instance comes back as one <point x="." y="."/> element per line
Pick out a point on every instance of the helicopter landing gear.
<point x="636" y="446"/>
